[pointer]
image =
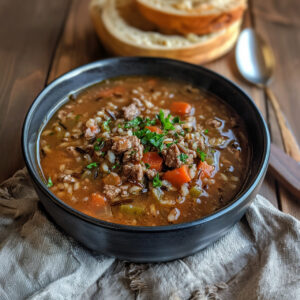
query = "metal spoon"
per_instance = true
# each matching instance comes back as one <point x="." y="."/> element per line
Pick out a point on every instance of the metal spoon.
<point x="256" y="63"/>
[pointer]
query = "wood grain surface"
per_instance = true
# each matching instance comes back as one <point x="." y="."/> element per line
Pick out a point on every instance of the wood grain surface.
<point x="52" y="37"/>
<point x="28" y="35"/>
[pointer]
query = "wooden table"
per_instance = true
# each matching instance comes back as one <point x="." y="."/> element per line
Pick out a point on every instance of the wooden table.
<point x="41" y="40"/>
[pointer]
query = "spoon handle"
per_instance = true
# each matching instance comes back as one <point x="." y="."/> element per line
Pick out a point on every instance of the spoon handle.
<point x="289" y="140"/>
<point x="286" y="170"/>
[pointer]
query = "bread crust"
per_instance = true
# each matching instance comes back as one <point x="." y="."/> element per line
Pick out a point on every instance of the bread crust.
<point x="196" y="53"/>
<point x="185" y="23"/>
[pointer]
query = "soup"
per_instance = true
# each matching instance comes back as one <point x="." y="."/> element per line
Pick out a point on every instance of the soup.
<point x="144" y="151"/>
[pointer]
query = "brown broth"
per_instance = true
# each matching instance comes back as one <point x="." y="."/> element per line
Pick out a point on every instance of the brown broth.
<point x="230" y="158"/>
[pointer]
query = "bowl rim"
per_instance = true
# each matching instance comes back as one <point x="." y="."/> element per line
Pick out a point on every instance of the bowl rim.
<point x="133" y="228"/>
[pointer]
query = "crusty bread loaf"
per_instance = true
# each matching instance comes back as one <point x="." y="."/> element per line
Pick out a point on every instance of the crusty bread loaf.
<point x="192" y="16"/>
<point x="125" y="32"/>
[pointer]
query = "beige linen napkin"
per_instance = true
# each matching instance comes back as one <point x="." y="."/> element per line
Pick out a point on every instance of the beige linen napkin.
<point x="258" y="259"/>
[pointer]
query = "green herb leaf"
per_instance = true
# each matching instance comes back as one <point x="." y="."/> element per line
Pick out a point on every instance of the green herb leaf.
<point x="150" y="138"/>
<point x="147" y="165"/>
<point x="49" y="183"/>
<point x="133" y="123"/>
<point x="205" y="131"/>
<point x="105" y="125"/>
<point x="157" y="181"/>
<point x="149" y="122"/>
<point x="183" y="157"/>
<point x="176" y="120"/>
<point x="115" y="166"/>
<point x="92" y="165"/>
<point x="201" y="154"/>
<point x="99" y="144"/>
<point x="77" y="117"/>
<point x="166" y="123"/>
<point x="169" y="145"/>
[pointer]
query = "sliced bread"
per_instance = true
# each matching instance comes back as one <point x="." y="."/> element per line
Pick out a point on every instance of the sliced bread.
<point x="192" y="16"/>
<point x="123" y="31"/>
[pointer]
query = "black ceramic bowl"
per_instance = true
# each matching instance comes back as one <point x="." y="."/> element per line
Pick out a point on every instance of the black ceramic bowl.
<point x="137" y="243"/>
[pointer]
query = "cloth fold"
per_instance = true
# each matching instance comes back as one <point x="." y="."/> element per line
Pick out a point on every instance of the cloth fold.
<point x="258" y="259"/>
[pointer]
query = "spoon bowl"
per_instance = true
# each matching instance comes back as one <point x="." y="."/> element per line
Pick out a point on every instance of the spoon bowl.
<point x="254" y="58"/>
<point x="256" y="63"/>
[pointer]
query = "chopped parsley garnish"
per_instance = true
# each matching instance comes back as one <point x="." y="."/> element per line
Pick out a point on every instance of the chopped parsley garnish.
<point x="206" y="131"/>
<point x="165" y="122"/>
<point x="77" y="117"/>
<point x="147" y="149"/>
<point x="149" y="122"/>
<point x="201" y="154"/>
<point x="99" y="144"/>
<point x="150" y="138"/>
<point x="147" y="165"/>
<point x="183" y="157"/>
<point x="169" y="145"/>
<point x="176" y="120"/>
<point x="213" y="150"/>
<point x="105" y="125"/>
<point x="139" y="122"/>
<point x="49" y="183"/>
<point x="92" y="165"/>
<point x="115" y="166"/>
<point x="133" y="152"/>
<point x="133" y="123"/>
<point x="157" y="181"/>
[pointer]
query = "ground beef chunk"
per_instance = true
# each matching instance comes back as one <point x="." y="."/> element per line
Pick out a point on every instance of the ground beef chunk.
<point x="133" y="172"/>
<point x="130" y="146"/>
<point x="111" y="191"/>
<point x="135" y="154"/>
<point x="190" y="153"/>
<point x="151" y="173"/>
<point x="171" y="156"/>
<point x="120" y="144"/>
<point x="131" y="111"/>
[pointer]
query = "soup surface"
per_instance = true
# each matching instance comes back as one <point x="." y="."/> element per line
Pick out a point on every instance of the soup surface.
<point x="144" y="151"/>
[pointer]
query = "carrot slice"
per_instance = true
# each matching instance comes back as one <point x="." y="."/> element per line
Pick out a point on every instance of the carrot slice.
<point x="206" y="169"/>
<point x="178" y="177"/>
<point x="154" y="129"/>
<point x="153" y="159"/>
<point x="180" y="108"/>
<point x="98" y="200"/>
<point x="111" y="91"/>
